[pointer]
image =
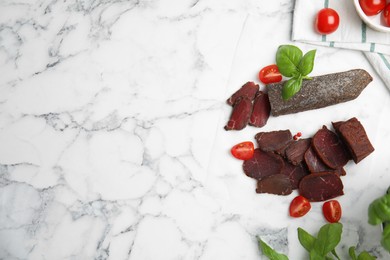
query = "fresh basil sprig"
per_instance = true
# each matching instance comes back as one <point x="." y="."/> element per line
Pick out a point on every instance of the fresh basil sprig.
<point x="270" y="252"/>
<point x="293" y="64"/>
<point x="322" y="247"/>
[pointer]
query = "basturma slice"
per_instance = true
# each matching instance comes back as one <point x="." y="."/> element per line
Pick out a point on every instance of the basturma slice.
<point x="275" y="141"/>
<point x="240" y="114"/>
<point x="263" y="164"/>
<point x="320" y="91"/>
<point x="354" y="136"/>
<point x="321" y="186"/>
<point x="261" y="110"/>
<point x="295" y="152"/>
<point x="278" y="184"/>
<point x="330" y="149"/>
<point x="315" y="165"/>
<point x="248" y="90"/>
<point x="295" y="173"/>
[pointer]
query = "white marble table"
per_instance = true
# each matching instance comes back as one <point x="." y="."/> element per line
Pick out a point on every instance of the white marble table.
<point x="111" y="132"/>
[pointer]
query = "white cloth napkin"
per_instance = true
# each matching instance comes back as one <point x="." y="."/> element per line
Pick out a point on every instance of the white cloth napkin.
<point x="351" y="34"/>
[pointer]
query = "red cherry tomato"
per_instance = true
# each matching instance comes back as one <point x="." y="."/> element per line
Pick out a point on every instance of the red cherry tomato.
<point x="327" y="21"/>
<point x="372" y="7"/>
<point x="386" y="15"/>
<point x="299" y="206"/>
<point x="243" y="151"/>
<point x="332" y="211"/>
<point x="270" y="74"/>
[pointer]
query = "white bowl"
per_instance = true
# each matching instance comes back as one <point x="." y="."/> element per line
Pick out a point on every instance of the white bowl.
<point x="375" y="22"/>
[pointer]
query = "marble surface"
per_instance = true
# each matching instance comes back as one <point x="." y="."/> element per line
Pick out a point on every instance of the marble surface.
<point x="111" y="131"/>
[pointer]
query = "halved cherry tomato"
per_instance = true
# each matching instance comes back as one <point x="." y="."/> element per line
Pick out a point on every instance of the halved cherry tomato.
<point x="372" y="7"/>
<point x="332" y="211"/>
<point x="386" y="15"/>
<point x="327" y="21"/>
<point x="270" y="74"/>
<point x="299" y="206"/>
<point x="243" y="151"/>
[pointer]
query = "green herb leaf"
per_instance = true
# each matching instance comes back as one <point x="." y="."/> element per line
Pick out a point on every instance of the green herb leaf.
<point x="269" y="252"/>
<point x="306" y="64"/>
<point x="365" y="256"/>
<point x="287" y="60"/>
<point x="314" y="255"/>
<point x="306" y="240"/>
<point x="291" y="87"/>
<point x="362" y="256"/>
<point x="352" y="253"/>
<point x="385" y="241"/>
<point x="328" y="238"/>
<point x="379" y="210"/>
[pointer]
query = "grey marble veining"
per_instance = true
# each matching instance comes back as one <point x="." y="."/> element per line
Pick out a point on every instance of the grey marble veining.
<point x="111" y="131"/>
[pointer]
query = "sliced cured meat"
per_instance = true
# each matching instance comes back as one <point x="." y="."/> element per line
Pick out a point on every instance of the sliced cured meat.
<point x="261" y="110"/>
<point x="248" y="90"/>
<point x="278" y="184"/>
<point x="263" y="164"/>
<point x="295" y="173"/>
<point x="295" y="152"/>
<point x="315" y="165"/>
<point x="330" y="149"/>
<point x="354" y="136"/>
<point x="313" y="162"/>
<point x="240" y="115"/>
<point x="320" y="91"/>
<point x="321" y="186"/>
<point x="276" y="141"/>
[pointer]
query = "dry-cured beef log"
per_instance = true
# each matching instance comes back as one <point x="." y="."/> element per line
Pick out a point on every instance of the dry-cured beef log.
<point x="319" y="92"/>
<point x="240" y="115"/>
<point x="295" y="173"/>
<point x="330" y="149"/>
<point x="263" y="164"/>
<point x="296" y="150"/>
<point x="261" y="110"/>
<point x="276" y="141"/>
<point x="278" y="184"/>
<point x="354" y="136"/>
<point x="321" y="186"/>
<point x="248" y="90"/>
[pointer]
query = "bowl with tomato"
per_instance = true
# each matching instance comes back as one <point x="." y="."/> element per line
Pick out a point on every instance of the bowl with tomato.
<point x="374" y="13"/>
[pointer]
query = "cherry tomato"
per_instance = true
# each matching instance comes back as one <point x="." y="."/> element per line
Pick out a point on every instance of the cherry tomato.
<point x="327" y="21"/>
<point x="372" y="7"/>
<point x="332" y="211"/>
<point x="386" y="15"/>
<point x="243" y="151"/>
<point x="270" y="74"/>
<point x="299" y="206"/>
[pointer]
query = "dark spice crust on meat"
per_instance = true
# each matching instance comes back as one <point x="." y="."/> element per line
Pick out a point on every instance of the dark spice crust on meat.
<point x="320" y="91"/>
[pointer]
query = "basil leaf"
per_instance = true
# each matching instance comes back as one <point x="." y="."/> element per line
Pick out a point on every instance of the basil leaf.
<point x="314" y="255"/>
<point x="306" y="64"/>
<point x="328" y="238"/>
<point x="287" y="60"/>
<point x="306" y="240"/>
<point x="365" y="256"/>
<point x="385" y="241"/>
<point x="352" y="253"/>
<point x="269" y="252"/>
<point x="291" y="87"/>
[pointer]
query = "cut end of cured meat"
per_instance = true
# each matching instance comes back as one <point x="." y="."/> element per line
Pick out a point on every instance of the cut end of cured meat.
<point x="276" y="141"/>
<point x="321" y="186"/>
<point x="278" y="184"/>
<point x="295" y="152"/>
<point x="248" y="90"/>
<point x="330" y="149"/>
<point x="240" y="114"/>
<point x="263" y="164"/>
<point x="354" y="136"/>
<point x="261" y="110"/>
